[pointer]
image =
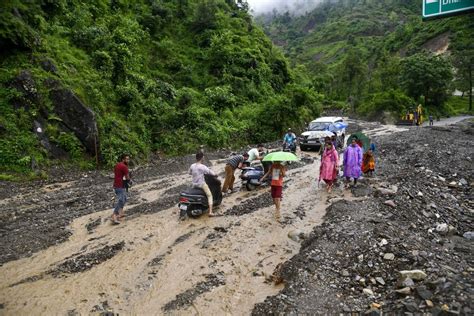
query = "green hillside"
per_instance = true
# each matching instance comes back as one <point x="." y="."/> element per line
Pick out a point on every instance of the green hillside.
<point x="159" y="76"/>
<point x="362" y="51"/>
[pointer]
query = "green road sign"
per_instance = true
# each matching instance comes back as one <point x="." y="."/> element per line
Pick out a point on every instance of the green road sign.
<point x="440" y="8"/>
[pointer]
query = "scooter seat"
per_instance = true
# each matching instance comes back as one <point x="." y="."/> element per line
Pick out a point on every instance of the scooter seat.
<point x="193" y="191"/>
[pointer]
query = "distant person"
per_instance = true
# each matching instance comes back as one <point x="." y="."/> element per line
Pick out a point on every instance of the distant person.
<point x="431" y="120"/>
<point x="277" y="170"/>
<point x="289" y="140"/>
<point x="352" y="162"/>
<point x="121" y="183"/>
<point x="327" y="140"/>
<point x="254" y="153"/>
<point x="329" y="164"/>
<point x="334" y="140"/>
<point x="368" y="163"/>
<point x="198" y="170"/>
<point x="233" y="163"/>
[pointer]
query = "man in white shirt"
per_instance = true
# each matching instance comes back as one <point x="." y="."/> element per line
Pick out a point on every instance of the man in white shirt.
<point x="254" y="153"/>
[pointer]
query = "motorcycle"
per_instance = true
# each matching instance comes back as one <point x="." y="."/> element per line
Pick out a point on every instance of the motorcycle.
<point x="251" y="175"/>
<point x="289" y="147"/>
<point x="193" y="201"/>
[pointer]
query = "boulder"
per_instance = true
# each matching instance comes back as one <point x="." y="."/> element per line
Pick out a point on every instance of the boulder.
<point x="25" y="84"/>
<point x="77" y="117"/>
<point x="412" y="274"/>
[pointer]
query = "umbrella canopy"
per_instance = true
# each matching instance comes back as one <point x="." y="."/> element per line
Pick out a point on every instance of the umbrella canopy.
<point x="280" y="156"/>
<point x="362" y="137"/>
<point x="337" y="126"/>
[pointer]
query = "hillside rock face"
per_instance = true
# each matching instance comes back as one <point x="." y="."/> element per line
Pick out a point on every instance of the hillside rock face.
<point x="76" y="116"/>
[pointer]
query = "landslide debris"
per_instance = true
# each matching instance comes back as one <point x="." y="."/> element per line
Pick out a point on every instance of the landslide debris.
<point x="406" y="249"/>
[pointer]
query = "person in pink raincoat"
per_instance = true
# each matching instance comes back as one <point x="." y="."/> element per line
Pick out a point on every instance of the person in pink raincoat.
<point x="329" y="164"/>
<point x="352" y="161"/>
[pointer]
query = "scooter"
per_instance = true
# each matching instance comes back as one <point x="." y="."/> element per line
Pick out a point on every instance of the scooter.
<point x="251" y="175"/>
<point x="193" y="201"/>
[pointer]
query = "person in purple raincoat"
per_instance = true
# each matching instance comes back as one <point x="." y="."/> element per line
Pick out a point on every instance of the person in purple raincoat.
<point x="352" y="161"/>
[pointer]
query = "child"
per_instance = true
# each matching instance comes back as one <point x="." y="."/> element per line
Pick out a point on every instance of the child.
<point x="368" y="163"/>
<point x="277" y="170"/>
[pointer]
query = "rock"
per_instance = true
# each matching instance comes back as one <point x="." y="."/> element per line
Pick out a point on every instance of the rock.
<point x="77" y="117"/>
<point x="372" y="312"/>
<point x="383" y="242"/>
<point x="295" y="235"/>
<point x="429" y="303"/>
<point x="463" y="181"/>
<point x="442" y="228"/>
<point x="404" y="291"/>
<point x="389" y="256"/>
<point x="423" y="292"/>
<point x="25" y="84"/>
<point x="48" y="66"/>
<point x="412" y="274"/>
<point x="380" y="280"/>
<point x="408" y="282"/>
<point x="345" y="273"/>
<point x="368" y="292"/>
<point x="468" y="235"/>
<point x="390" y="203"/>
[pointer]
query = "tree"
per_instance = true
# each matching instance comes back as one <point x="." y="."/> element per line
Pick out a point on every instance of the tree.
<point x="427" y="75"/>
<point x="463" y="60"/>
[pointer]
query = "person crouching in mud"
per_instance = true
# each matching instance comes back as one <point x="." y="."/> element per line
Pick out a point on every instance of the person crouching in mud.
<point x="198" y="170"/>
<point x="121" y="180"/>
<point x="277" y="170"/>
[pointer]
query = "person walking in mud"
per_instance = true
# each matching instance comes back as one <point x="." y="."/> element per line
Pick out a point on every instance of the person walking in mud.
<point x="121" y="182"/>
<point x="352" y="161"/>
<point x="277" y="170"/>
<point x="329" y="164"/>
<point x="198" y="170"/>
<point x="235" y="162"/>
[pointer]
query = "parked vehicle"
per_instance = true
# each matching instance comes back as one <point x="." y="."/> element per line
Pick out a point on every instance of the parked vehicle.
<point x="318" y="129"/>
<point x="193" y="201"/>
<point x="251" y="175"/>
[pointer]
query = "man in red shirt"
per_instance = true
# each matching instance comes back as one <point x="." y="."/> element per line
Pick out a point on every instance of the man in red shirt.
<point x="120" y="180"/>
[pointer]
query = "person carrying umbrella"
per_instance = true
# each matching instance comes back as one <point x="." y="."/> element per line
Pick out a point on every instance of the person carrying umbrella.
<point x="277" y="171"/>
<point x="352" y="161"/>
<point x="328" y="168"/>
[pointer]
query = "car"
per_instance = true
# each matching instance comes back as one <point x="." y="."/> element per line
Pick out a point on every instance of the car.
<point x="321" y="127"/>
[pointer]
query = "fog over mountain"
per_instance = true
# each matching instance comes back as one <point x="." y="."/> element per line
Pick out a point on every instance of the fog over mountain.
<point x="296" y="7"/>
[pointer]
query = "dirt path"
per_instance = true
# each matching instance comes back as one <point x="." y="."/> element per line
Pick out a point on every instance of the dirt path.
<point x="153" y="263"/>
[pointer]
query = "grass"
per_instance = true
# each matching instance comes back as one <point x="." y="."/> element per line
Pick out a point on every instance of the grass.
<point x="459" y="105"/>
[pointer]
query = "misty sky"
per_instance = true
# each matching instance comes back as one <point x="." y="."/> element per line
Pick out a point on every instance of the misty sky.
<point x="295" y="6"/>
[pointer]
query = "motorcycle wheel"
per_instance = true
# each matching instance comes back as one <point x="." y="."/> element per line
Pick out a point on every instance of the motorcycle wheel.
<point x="194" y="212"/>
<point x="250" y="187"/>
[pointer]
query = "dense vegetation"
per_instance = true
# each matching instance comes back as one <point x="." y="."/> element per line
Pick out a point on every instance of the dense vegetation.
<point x="379" y="55"/>
<point x="169" y="75"/>
<point x="160" y="75"/>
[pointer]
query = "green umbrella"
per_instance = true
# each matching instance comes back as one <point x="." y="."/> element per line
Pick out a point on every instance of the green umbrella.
<point x="280" y="156"/>
<point x="362" y="137"/>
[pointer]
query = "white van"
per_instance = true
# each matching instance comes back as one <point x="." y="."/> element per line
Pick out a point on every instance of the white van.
<point x="321" y="127"/>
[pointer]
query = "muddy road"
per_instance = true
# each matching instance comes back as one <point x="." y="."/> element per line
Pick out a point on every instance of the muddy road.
<point x="61" y="255"/>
